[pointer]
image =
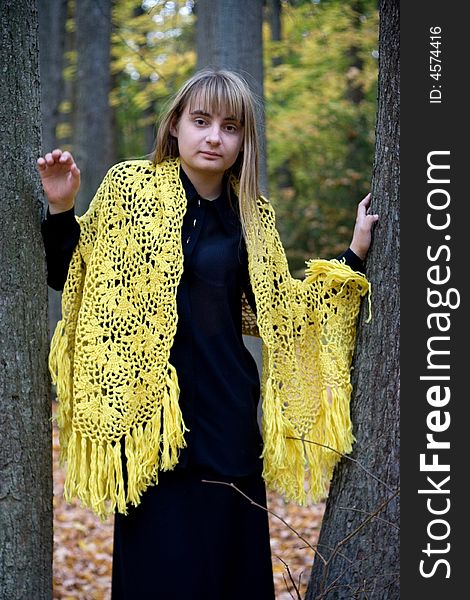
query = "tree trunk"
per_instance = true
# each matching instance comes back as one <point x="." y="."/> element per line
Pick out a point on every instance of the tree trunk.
<point x="359" y="540"/>
<point x="25" y="440"/>
<point x="229" y="36"/>
<point x="273" y="15"/>
<point x="93" y="148"/>
<point x="52" y="16"/>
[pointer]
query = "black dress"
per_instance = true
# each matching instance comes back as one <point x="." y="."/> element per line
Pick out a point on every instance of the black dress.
<point x="188" y="538"/>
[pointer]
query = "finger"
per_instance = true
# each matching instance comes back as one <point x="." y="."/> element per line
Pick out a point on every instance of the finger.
<point x="49" y="159"/>
<point x="362" y="207"/>
<point x="66" y="157"/>
<point x="372" y="218"/>
<point x="75" y="170"/>
<point x="41" y="163"/>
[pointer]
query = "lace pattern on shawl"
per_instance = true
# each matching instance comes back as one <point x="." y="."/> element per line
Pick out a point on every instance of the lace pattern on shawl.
<point x="118" y="394"/>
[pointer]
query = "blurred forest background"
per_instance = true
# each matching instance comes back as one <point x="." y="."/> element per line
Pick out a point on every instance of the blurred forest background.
<point x="320" y="96"/>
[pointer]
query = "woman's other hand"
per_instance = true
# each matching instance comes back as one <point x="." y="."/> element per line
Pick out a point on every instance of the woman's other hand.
<point x="60" y="179"/>
<point x="362" y="234"/>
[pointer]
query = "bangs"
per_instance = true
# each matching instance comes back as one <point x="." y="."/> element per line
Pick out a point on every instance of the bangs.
<point x="217" y="95"/>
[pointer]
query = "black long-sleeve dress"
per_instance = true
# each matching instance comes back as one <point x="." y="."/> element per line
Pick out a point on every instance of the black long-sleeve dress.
<point x="189" y="539"/>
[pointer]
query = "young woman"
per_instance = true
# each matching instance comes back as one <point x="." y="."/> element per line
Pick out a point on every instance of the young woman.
<point x="174" y="260"/>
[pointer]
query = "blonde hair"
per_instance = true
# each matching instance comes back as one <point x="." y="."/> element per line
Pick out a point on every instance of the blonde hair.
<point x="218" y="91"/>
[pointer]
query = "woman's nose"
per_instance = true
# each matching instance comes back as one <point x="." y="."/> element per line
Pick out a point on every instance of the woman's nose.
<point x="213" y="136"/>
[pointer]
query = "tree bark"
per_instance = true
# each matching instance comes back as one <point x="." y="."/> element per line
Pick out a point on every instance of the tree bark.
<point x="93" y="148"/>
<point x="359" y="539"/>
<point x="229" y="36"/>
<point x="25" y="441"/>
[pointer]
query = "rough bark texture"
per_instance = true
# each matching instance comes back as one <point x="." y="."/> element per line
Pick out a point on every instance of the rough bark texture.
<point x="229" y="36"/>
<point x="25" y="438"/>
<point x="93" y="148"/>
<point x="359" y="540"/>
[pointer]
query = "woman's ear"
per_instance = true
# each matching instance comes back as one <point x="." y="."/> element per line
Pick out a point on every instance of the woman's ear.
<point x="174" y="127"/>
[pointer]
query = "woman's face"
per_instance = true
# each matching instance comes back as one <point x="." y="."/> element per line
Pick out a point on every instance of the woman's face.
<point x="209" y="142"/>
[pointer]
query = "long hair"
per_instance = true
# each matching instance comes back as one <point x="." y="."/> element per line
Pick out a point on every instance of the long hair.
<point x="220" y="91"/>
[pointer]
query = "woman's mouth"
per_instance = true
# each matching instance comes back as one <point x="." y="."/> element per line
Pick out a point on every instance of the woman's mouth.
<point x="210" y="154"/>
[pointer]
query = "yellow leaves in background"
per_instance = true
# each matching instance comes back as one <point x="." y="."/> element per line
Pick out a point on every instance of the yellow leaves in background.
<point x="320" y="120"/>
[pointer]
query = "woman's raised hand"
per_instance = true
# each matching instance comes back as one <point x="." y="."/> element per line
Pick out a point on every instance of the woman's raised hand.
<point x="60" y="179"/>
<point x="362" y="234"/>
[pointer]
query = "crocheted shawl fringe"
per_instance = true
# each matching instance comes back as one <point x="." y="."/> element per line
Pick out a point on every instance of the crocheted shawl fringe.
<point x="119" y="417"/>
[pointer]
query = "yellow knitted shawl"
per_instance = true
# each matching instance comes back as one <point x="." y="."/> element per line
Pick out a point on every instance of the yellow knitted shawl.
<point x="109" y="358"/>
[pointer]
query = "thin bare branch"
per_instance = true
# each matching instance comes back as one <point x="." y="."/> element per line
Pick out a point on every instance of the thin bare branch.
<point x="368" y="519"/>
<point x="232" y="485"/>
<point x="342" y="542"/>
<point x="296" y="589"/>
<point x="368" y="513"/>
<point x="347" y="457"/>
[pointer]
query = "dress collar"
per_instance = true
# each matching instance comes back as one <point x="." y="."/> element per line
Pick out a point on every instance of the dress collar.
<point x="226" y="205"/>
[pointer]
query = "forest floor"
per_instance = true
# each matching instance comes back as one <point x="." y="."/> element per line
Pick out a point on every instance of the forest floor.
<point x="83" y="546"/>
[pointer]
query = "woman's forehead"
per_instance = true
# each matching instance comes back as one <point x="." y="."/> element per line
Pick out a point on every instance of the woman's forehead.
<point x="205" y="101"/>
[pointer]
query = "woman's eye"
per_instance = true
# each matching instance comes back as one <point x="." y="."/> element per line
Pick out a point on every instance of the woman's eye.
<point x="231" y="128"/>
<point x="199" y="121"/>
